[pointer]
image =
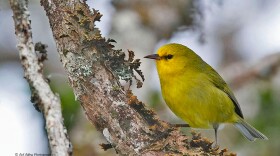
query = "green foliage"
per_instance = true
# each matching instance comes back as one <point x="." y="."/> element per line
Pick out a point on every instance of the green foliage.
<point x="70" y="106"/>
<point x="269" y="119"/>
<point x="269" y="114"/>
<point x="155" y="100"/>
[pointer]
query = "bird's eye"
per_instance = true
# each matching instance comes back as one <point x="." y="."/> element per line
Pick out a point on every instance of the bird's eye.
<point x="169" y="56"/>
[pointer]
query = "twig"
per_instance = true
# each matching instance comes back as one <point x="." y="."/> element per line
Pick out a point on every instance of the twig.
<point x="48" y="102"/>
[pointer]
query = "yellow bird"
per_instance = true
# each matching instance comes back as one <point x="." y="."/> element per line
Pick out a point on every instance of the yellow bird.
<point x="196" y="93"/>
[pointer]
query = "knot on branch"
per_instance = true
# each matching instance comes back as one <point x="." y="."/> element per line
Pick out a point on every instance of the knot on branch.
<point x="42" y="50"/>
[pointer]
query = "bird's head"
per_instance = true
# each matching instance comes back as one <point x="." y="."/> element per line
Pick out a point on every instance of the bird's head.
<point x="172" y="59"/>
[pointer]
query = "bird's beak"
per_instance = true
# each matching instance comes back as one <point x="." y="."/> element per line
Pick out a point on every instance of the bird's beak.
<point x="153" y="56"/>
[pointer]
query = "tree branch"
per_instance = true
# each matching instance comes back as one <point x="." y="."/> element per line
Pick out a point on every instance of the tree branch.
<point x="262" y="70"/>
<point x="94" y="70"/>
<point x="46" y="100"/>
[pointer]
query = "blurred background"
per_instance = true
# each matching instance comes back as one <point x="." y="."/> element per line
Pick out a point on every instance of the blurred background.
<point x="232" y="36"/>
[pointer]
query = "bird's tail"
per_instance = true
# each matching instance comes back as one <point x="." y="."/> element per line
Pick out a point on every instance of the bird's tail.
<point x="249" y="131"/>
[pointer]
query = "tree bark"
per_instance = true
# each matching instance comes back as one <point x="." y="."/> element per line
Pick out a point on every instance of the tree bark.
<point x="94" y="70"/>
<point x="44" y="99"/>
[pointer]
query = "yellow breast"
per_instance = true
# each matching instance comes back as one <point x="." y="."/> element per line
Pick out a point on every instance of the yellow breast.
<point x="197" y="102"/>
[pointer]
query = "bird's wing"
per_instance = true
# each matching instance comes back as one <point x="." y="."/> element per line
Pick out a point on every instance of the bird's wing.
<point x="218" y="82"/>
